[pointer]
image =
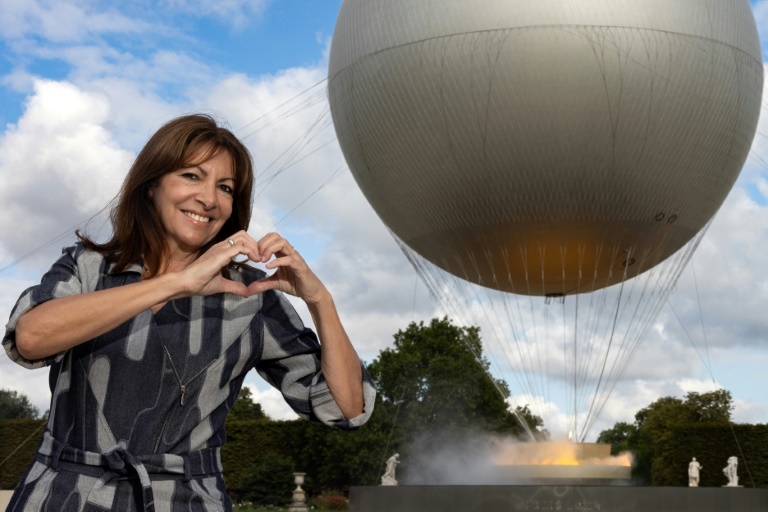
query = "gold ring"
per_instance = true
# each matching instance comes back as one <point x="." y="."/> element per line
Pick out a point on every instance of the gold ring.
<point x="231" y="242"/>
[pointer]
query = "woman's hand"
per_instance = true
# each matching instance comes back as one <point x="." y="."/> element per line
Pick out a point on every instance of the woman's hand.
<point x="203" y="276"/>
<point x="292" y="274"/>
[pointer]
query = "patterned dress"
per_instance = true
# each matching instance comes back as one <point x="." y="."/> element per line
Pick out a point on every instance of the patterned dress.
<point x="137" y="414"/>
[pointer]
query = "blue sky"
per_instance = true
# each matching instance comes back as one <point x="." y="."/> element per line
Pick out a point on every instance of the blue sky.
<point x="259" y="40"/>
<point x="83" y="83"/>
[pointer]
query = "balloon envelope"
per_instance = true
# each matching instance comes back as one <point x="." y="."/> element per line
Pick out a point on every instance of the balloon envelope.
<point x="545" y="147"/>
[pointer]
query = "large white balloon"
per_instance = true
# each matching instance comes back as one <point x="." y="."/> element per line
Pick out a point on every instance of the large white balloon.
<point x="545" y="147"/>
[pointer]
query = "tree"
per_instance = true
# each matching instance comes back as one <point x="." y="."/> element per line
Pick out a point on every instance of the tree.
<point x="657" y="423"/>
<point x="712" y="407"/>
<point x="436" y="375"/>
<point x="245" y="408"/>
<point x="622" y="437"/>
<point x="434" y="380"/>
<point x="14" y="405"/>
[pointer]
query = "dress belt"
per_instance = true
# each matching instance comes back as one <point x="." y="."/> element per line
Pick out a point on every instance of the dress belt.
<point x="119" y="464"/>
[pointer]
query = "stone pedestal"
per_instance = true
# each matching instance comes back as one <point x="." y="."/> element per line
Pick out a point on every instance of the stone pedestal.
<point x="299" y="501"/>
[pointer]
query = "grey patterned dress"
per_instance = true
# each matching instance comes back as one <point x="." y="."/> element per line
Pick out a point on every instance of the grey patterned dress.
<point x="137" y="414"/>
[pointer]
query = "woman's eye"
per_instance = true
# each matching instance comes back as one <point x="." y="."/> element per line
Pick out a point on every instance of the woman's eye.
<point x="190" y="175"/>
<point x="226" y="188"/>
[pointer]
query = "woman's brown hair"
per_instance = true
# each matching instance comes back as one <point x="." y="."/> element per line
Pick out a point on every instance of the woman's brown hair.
<point x="182" y="142"/>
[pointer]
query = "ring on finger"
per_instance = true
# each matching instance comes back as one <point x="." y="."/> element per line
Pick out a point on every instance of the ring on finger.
<point x="231" y="242"/>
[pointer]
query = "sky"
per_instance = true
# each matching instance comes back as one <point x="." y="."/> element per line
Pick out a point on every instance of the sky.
<point x="84" y="83"/>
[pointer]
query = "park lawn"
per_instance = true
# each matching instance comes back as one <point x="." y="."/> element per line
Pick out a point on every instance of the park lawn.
<point x="241" y="507"/>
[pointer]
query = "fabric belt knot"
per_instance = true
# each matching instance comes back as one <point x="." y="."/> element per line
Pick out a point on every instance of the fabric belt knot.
<point x="118" y="463"/>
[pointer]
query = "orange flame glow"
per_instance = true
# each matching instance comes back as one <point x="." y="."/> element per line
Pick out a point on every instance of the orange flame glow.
<point x="511" y="453"/>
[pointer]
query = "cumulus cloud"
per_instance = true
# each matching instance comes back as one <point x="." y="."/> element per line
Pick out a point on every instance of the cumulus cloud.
<point x="271" y="401"/>
<point x="61" y="166"/>
<point x="746" y="411"/>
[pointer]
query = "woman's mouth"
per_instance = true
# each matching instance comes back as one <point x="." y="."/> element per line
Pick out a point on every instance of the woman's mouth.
<point x="196" y="217"/>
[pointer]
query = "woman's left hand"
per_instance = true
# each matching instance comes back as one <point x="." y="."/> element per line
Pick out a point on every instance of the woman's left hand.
<point x="292" y="274"/>
<point x="340" y="362"/>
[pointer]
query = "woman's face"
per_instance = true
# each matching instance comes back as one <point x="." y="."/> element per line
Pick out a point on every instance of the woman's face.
<point x="193" y="203"/>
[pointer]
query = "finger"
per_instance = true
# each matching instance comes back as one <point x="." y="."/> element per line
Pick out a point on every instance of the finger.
<point x="269" y="244"/>
<point x="262" y="285"/>
<point x="244" y="244"/>
<point x="233" y="287"/>
<point x="279" y="248"/>
<point x="283" y="261"/>
<point x="231" y="251"/>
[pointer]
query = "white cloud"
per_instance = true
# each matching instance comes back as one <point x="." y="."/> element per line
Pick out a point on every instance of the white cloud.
<point x="62" y="22"/>
<point x="60" y="165"/>
<point x="236" y="13"/>
<point x="724" y="278"/>
<point x="747" y="411"/>
<point x="271" y="401"/>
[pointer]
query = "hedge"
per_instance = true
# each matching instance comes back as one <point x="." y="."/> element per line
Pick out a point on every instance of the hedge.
<point x="712" y="444"/>
<point x="332" y="459"/>
<point x="24" y="435"/>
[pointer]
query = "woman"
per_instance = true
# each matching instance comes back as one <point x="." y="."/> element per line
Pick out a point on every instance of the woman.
<point x="150" y="335"/>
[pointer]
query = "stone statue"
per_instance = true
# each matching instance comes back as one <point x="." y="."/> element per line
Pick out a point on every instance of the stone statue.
<point x="730" y="471"/>
<point x="389" y="474"/>
<point x="693" y="473"/>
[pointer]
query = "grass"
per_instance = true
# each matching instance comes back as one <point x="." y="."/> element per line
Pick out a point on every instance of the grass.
<point x="245" y="507"/>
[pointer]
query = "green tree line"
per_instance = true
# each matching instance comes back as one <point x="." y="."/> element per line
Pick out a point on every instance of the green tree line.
<point x="670" y="431"/>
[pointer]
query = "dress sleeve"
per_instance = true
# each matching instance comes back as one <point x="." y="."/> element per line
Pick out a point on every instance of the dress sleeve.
<point x="290" y="362"/>
<point x="61" y="280"/>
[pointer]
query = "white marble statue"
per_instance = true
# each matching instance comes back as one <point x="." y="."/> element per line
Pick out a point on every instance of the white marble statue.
<point x="389" y="474"/>
<point x="730" y="471"/>
<point x="693" y="473"/>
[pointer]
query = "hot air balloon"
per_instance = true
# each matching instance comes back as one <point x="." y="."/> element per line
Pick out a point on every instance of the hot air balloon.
<point x="573" y="150"/>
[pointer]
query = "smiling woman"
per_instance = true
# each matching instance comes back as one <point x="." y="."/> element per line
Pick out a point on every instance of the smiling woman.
<point x="150" y="335"/>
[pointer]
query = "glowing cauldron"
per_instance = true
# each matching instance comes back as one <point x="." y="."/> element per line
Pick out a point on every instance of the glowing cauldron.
<point x="563" y="463"/>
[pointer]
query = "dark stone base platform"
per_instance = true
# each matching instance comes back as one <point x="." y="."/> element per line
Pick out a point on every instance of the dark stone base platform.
<point x="553" y="498"/>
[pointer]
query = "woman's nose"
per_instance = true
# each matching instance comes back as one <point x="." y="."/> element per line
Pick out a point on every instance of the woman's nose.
<point x="206" y="196"/>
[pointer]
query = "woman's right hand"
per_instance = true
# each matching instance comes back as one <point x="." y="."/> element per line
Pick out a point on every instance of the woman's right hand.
<point x="203" y="276"/>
